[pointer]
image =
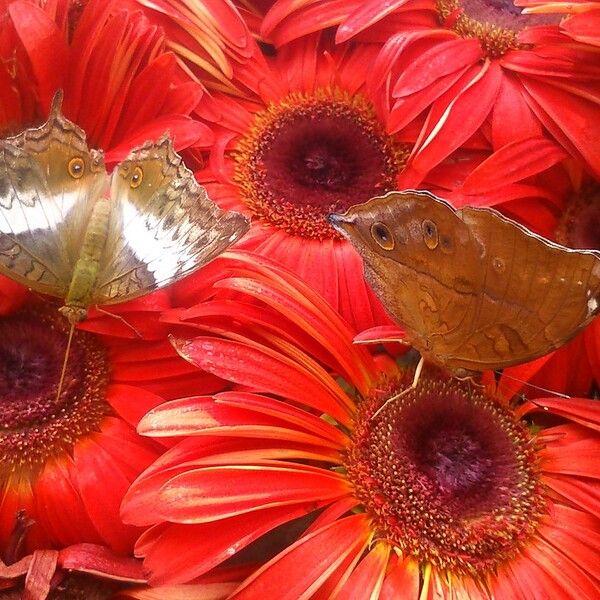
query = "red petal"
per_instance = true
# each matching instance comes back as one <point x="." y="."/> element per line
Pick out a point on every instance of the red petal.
<point x="45" y="47"/>
<point x="265" y="371"/>
<point x="59" y="504"/>
<point x="95" y="466"/>
<point x="214" y="493"/>
<point x="456" y="116"/>
<point x="368" y="575"/>
<point x="401" y="581"/>
<point x="99" y="560"/>
<point x="385" y="333"/>
<point x="583" y="411"/>
<point x="303" y="567"/>
<point x="367" y="13"/>
<point x="184" y="132"/>
<point x="513" y="162"/>
<point x="584" y="27"/>
<point x="12" y="295"/>
<point x="40" y="573"/>
<point x="580" y="458"/>
<point x="180" y="553"/>
<point x="512" y="118"/>
<point x="443" y="58"/>
<point x="572" y="120"/>
<point x="584" y="494"/>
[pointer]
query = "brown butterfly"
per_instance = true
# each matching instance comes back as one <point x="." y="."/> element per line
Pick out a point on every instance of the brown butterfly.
<point x="472" y="289"/>
<point x="69" y="230"/>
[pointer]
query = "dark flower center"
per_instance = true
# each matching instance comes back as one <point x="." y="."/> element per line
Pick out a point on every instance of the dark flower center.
<point x="34" y="423"/>
<point x="496" y="23"/>
<point x="448" y="475"/>
<point x="308" y="156"/>
<point x="580" y="224"/>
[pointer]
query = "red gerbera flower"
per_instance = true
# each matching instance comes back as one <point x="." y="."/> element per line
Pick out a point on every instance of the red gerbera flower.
<point x="302" y="140"/>
<point x="476" y="66"/>
<point x="121" y="84"/>
<point x="67" y="461"/>
<point x="450" y="492"/>
<point x="583" y="17"/>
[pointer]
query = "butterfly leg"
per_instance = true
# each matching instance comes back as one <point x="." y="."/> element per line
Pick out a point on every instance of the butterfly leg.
<point x="411" y="387"/>
<point x="120" y="318"/>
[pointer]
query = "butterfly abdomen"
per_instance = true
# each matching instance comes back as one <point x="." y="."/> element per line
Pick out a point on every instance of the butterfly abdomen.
<point x="85" y="272"/>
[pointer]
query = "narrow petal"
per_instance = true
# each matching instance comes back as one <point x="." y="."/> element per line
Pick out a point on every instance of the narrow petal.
<point x="261" y="369"/>
<point x="300" y="570"/>
<point x="213" y="493"/>
<point x="513" y="162"/>
<point x="174" y="556"/>
<point x="45" y="47"/>
<point x="368" y="575"/>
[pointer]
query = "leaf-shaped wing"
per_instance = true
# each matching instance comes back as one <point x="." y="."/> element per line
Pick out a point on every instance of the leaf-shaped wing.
<point x="534" y="297"/>
<point x="163" y="225"/>
<point x="49" y="181"/>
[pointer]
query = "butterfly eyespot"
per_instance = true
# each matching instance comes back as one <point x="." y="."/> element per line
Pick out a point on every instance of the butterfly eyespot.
<point x="136" y="178"/>
<point x="382" y="235"/>
<point x="76" y="167"/>
<point x="430" y="234"/>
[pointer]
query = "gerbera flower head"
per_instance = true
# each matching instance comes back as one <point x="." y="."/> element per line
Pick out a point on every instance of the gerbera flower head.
<point x="450" y="491"/>
<point x="304" y="138"/>
<point x="474" y="67"/>
<point x="58" y="452"/>
<point x="121" y="84"/>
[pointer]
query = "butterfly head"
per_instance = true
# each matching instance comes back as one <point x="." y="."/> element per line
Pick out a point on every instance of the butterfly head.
<point x="408" y="227"/>
<point x="73" y="314"/>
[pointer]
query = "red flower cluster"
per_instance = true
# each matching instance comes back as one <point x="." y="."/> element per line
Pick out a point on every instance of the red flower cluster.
<point x="221" y="439"/>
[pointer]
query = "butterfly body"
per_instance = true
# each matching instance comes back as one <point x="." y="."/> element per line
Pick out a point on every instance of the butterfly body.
<point x="85" y="272"/>
<point x="472" y="289"/>
<point x="70" y="230"/>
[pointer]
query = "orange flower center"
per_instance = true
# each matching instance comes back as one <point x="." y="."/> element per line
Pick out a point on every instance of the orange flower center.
<point x="34" y="423"/>
<point x="448" y="476"/>
<point x="580" y="224"/>
<point x="310" y="155"/>
<point x="496" y="23"/>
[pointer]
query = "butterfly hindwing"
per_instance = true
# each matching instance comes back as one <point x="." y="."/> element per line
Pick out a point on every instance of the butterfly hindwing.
<point x="163" y="225"/>
<point x="49" y="181"/>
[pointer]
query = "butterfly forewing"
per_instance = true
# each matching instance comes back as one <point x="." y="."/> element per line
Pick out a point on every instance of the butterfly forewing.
<point x="49" y="181"/>
<point x="163" y="225"/>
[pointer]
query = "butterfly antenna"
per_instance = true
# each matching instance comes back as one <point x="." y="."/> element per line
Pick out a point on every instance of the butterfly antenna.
<point x="64" y="365"/>
<point x="533" y="386"/>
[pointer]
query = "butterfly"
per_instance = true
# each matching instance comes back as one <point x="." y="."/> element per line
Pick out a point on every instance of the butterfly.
<point x="70" y="230"/>
<point x="472" y="289"/>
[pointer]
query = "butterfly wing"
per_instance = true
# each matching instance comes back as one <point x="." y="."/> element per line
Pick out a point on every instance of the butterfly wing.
<point x="49" y="181"/>
<point x="163" y="225"/>
<point x="534" y="297"/>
